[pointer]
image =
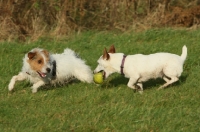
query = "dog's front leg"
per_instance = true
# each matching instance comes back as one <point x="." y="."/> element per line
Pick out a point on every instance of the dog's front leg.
<point x="131" y="83"/>
<point x="140" y="87"/>
<point x="19" y="77"/>
<point x="36" y="86"/>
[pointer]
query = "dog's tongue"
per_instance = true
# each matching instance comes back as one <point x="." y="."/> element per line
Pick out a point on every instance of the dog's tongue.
<point x="41" y="74"/>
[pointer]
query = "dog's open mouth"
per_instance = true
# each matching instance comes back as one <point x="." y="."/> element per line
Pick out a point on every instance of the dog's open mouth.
<point x="42" y="75"/>
<point x="104" y="73"/>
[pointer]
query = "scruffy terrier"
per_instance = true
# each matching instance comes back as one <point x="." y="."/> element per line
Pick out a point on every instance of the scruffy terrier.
<point x="40" y="68"/>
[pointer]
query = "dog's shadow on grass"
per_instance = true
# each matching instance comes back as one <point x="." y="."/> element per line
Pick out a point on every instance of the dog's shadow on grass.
<point x="121" y="80"/>
<point x="48" y="87"/>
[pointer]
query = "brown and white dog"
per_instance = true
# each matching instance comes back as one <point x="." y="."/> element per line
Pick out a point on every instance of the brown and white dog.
<point x="40" y="68"/>
<point x="140" y="68"/>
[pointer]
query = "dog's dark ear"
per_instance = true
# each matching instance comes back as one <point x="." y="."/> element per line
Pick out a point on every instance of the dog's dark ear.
<point x="112" y="49"/>
<point x="31" y="55"/>
<point x="106" y="55"/>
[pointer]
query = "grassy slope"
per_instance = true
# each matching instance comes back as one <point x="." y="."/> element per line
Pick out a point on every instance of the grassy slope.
<point x="112" y="106"/>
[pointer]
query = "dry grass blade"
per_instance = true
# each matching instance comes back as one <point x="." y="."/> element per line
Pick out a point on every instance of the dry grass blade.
<point x="31" y="19"/>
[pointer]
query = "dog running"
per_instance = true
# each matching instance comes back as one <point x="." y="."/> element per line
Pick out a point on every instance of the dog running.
<point x="40" y="68"/>
<point x="140" y="68"/>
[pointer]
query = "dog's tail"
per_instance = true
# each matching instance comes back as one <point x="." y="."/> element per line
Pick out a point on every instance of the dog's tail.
<point x="184" y="53"/>
<point x="71" y="52"/>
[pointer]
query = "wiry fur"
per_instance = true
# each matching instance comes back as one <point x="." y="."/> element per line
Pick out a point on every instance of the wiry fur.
<point x="38" y="69"/>
<point x="140" y="68"/>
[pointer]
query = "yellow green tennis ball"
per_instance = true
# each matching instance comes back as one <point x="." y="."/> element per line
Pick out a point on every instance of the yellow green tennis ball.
<point x="98" y="77"/>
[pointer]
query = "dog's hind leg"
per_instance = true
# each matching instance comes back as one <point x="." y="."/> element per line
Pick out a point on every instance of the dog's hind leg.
<point x="168" y="82"/>
<point x="166" y="79"/>
<point x="19" y="77"/>
<point x="84" y="75"/>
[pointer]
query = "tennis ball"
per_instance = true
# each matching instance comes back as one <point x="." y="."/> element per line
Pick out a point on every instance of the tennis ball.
<point x="98" y="77"/>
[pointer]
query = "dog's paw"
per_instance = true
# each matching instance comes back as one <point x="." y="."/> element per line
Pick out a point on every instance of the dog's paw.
<point x="140" y="91"/>
<point x="10" y="87"/>
<point x="160" y="88"/>
<point x="34" y="90"/>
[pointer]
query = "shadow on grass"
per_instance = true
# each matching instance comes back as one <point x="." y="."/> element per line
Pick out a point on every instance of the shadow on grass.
<point x="27" y="85"/>
<point x="121" y="80"/>
<point x="58" y="86"/>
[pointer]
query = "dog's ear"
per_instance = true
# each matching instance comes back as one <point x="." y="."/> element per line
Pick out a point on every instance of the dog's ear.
<point x="31" y="55"/>
<point x="46" y="53"/>
<point x="106" y="55"/>
<point x="112" y="49"/>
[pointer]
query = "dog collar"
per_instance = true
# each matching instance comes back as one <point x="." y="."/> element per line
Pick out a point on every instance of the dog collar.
<point x="54" y="70"/>
<point x="122" y="64"/>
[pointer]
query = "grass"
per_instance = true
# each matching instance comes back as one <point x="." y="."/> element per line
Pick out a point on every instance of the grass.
<point x="111" y="106"/>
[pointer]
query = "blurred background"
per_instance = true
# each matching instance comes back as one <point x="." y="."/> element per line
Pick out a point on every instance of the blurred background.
<point x="22" y="19"/>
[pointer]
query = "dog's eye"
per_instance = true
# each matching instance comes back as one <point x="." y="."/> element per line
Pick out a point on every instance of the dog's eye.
<point x="39" y="61"/>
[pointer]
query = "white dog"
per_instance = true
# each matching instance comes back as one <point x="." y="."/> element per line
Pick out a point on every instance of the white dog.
<point x="140" y="68"/>
<point x="41" y="67"/>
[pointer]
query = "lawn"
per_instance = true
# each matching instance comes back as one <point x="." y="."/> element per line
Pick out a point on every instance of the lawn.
<point x="112" y="106"/>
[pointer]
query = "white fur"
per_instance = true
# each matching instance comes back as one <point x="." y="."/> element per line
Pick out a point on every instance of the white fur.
<point x="68" y="65"/>
<point x="140" y="68"/>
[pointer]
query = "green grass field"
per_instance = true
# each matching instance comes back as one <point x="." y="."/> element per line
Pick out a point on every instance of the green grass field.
<point x="112" y="106"/>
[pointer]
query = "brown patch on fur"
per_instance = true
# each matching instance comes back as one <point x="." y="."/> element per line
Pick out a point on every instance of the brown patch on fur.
<point x="36" y="60"/>
<point x="106" y="55"/>
<point x="112" y="49"/>
<point x="46" y="53"/>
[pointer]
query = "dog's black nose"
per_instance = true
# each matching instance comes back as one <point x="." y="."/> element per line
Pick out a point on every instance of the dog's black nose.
<point x="48" y="69"/>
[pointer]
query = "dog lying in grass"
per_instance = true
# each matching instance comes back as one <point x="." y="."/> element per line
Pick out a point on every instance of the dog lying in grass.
<point x="40" y="68"/>
<point x="140" y="68"/>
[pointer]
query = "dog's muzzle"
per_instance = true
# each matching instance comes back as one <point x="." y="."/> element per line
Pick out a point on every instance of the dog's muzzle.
<point x="104" y="73"/>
